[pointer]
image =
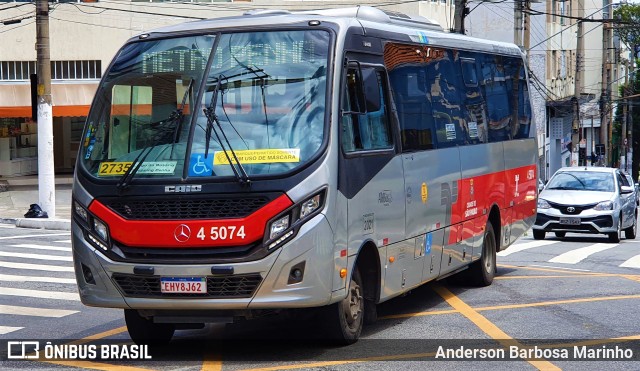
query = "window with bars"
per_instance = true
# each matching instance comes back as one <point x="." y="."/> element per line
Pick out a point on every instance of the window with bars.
<point x="60" y="70"/>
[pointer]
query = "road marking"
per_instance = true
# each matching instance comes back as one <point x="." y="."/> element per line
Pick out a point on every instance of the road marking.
<point x="42" y="247"/>
<point x="514" y="306"/>
<point x="34" y="235"/>
<point x="632" y="263"/>
<point x="40" y="294"/>
<point x="63" y="241"/>
<point x="100" y="335"/>
<point x="564" y="276"/>
<point x="7" y="329"/>
<point x="16" y="278"/>
<point x="36" y="312"/>
<point x="95" y="365"/>
<point x="578" y="255"/>
<point x="524" y="246"/>
<point x="36" y="256"/>
<point x="37" y="267"/>
<point x="545" y="269"/>
<point x="563" y="268"/>
<point x="211" y="362"/>
<point x="487" y="326"/>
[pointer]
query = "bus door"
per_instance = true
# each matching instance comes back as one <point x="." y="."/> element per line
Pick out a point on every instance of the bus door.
<point x="371" y="175"/>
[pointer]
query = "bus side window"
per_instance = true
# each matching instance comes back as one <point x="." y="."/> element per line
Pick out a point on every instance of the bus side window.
<point x="447" y="92"/>
<point x="497" y="98"/>
<point x="362" y="129"/>
<point x="474" y="102"/>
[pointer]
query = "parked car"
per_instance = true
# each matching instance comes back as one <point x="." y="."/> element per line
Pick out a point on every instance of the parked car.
<point x="635" y="187"/>
<point x="587" y="200"/>
<point x="540" y="185"/>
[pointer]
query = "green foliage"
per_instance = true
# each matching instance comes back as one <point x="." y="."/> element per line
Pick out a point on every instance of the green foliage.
<point x="629" y="32"/>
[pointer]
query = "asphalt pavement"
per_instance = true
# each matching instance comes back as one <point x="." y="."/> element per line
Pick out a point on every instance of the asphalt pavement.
<point x="18" y="193"/>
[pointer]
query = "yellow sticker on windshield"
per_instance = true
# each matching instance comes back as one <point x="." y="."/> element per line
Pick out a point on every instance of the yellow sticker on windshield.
<point x="119" y="168"/>
<point x="258" y="156"/>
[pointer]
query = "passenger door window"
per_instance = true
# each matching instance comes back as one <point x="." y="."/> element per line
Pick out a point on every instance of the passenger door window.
<point x="365" y="123"/>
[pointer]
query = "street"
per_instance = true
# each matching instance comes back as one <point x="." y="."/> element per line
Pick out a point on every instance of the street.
<point x="562" y="293"/>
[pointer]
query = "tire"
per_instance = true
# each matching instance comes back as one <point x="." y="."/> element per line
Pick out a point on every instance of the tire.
<point x="144" y="331"/>
<point x="345" y="318"/>
<point x="482" y="271"/>
<point x="561" y="234"/>
<point x="538" y="234"/>
<point x="630" y="233"/>
<point x="614" y="237"/>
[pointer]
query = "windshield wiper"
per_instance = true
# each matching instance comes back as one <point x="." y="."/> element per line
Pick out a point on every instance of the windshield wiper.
<point x="178" y="116"/>
<point x="212" y="117"/>
<point x="133" y="169"/>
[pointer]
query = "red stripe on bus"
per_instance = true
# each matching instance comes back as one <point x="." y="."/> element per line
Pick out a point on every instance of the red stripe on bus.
<point x="513" y="191"/>
<point x="198" y="233"/>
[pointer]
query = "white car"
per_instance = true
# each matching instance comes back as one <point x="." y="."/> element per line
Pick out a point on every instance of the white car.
<point x="587" y="200"/>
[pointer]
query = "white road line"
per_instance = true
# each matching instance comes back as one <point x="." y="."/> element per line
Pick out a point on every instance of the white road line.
<point x="632" y="263"/>
<point x="524" y="246"/>
<point x="63" y="241"/>
<point x="35" y="312"/>
<point x="36" y="267"/>
<point x="15" y="278"/>
<point x="8" y="329"/>
<point x="41" y="247"/>
<point x="578" y="255"/>
<point x="34" y="235"/>
<point x="40" y="294"/>
<point x="36" y="256"/>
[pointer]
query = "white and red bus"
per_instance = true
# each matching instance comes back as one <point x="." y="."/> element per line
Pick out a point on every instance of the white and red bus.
<point x="331" y="159"/>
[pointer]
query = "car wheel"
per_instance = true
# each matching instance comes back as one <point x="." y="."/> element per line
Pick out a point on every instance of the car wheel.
<point x="345" y="318"/>
<point x="538" y="234"/>
<point x="614" y="237"/>
<point x="561" y="234"/>
<point x="630" y="233"/>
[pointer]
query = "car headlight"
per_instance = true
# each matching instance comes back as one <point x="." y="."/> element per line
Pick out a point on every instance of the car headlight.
<point x="543" y="204"/>
<point x="604" y="205"/>
<point x="284" y="226"/>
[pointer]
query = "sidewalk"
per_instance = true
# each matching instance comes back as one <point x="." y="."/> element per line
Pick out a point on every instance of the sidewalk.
<point x="23" y="191"/>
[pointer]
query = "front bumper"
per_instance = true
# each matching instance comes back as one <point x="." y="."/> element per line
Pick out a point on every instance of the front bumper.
<point x="269" y="275"/>
<point x="591" y="221"/>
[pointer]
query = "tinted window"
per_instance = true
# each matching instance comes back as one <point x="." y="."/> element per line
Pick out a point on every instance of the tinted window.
<point x="364" y="131"/>
<point x="493" y="81"/>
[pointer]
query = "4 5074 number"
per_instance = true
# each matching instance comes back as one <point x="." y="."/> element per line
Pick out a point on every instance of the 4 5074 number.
<point x="222" y="233"/>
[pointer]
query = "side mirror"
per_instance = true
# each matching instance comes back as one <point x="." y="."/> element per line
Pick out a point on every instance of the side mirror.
<point x="626" y="190"/>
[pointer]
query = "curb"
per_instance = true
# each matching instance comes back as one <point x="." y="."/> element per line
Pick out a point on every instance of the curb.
<point x="43" y="223"/>
<point x="7" y="220"/>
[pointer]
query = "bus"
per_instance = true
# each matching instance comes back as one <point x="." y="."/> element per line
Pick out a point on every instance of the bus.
<point x="275" y="161"/>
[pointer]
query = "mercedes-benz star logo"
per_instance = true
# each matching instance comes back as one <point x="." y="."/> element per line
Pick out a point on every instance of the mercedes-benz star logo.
<point x="571" y="209"/>
<point x="182" y="233"/>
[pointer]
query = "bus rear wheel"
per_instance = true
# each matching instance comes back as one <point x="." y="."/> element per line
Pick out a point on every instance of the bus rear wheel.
<point x="143" y="331"/>
<point x="346" y="317"/>
<point x="482" y="271"/>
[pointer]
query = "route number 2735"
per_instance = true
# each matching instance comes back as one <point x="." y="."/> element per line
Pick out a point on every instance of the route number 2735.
<point x="222" y="233"/>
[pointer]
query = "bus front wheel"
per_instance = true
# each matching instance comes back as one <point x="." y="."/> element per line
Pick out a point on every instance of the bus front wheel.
<point x="143" y="331"/>
<point x="345" y="318"/>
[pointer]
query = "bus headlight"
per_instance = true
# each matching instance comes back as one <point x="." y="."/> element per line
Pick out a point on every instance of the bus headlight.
<point x="81" y="211"/>
<point x="284" y="226"/>
<point x="279" y="226"/>
<point x="95" y="230"/>
<point x="101" y="229"/>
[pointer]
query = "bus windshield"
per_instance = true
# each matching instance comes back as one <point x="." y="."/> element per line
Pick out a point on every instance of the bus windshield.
<point x="262" y="109"/>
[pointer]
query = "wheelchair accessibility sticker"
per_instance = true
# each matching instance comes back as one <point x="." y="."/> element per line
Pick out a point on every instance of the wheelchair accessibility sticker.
<point x="200" y="165"/>
<point x="427" y="244"/>
<point x="259" y="156"/>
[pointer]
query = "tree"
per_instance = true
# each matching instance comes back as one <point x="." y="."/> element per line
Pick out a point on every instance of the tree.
<point x="628" y="16"/>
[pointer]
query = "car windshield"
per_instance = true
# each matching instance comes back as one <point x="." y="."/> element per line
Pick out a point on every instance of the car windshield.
<point x="263" y="106"/>
<point x="582" y="181"/>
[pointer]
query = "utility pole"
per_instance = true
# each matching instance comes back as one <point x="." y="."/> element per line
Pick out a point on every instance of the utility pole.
<point x="605" y="133"/>
<point x="527" y="30"/>
<point x="517" y="23"/>
<point x="458" y="16"/>
<point x="625" y="104"/>
<point x="576" y="135"/>
<point x="46" y="175"/>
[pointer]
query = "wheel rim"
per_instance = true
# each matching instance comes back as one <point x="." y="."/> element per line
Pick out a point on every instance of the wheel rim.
<point x="352" y="305"/>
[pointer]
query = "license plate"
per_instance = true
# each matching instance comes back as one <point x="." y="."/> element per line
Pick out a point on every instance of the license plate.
<point x="570" y="221"/>
<point x="183" y="285"/>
